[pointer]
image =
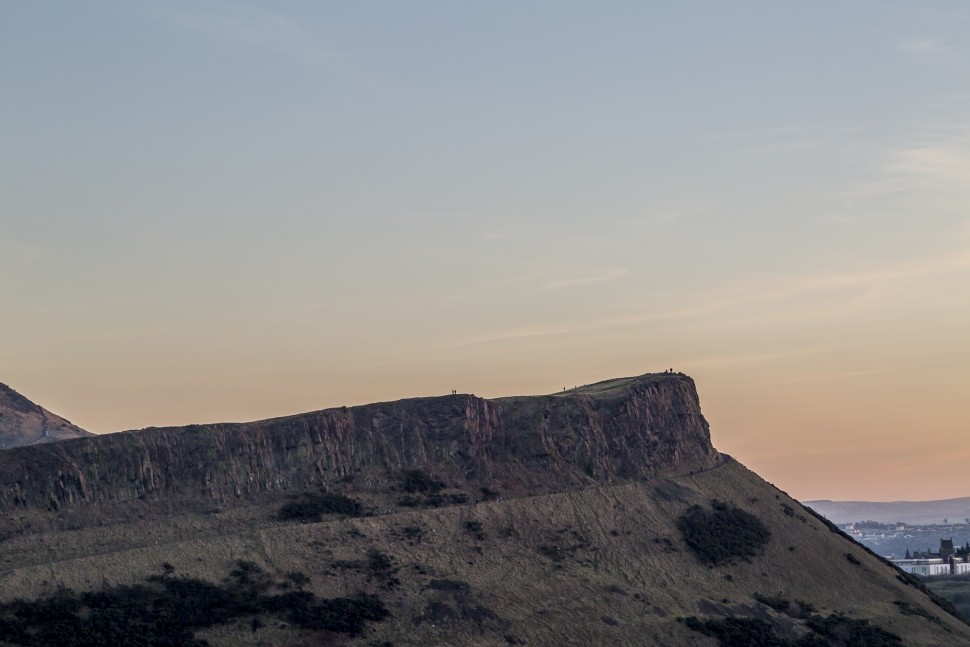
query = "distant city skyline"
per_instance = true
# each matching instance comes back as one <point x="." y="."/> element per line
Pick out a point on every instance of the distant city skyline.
<point x="223" y="211"/>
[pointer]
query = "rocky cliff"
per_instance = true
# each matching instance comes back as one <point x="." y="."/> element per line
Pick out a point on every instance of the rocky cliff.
<point x="638" y="533"/>
<point x="24" y="423"/>
<point x="625" y="429"/>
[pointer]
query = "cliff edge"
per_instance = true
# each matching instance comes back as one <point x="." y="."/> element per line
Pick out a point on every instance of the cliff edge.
<point x="613" y="431"/>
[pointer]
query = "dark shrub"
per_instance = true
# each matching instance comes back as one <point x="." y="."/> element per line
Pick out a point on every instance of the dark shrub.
<point x="312" y="507"/>
<point x="723" y="533"/>
<point x="910" y="610"/>
<point x="438" y="500"/>
<point x="488" y="493"/>
<point x="475" y="529"/>
<point x="793" y="608"/>
<point x="738" y="632"/>
<point x="420" y="481"/>
<point x="378" y="563"/>
<point x="342" y="615"/>
<point x="287" y="601"/>
<point x="832" y="631"/>
<point x="456" y="586"/>
<point x="381" y="567"/>
<point x="433" y="500"/>
<point x="555" y="553"/>
<point x="167" y="610"/>
<point x="851" y="632"/>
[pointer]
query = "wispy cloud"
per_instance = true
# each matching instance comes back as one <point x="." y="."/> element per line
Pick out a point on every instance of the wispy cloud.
<point x="524" y="332"/>
<point x="794" y="138"/>
<point x="924" y="46"/>
<point x="511" y="231"/>
<point x="74" y="339"/>
<point x="760" y="133"/>
<point x="667" y="216"/>
<point x="591" y="279"/>
<point x="929" y="49"/>
<point x="803" y="379"/>
<point x="883" y="275"/>
<point x="947" y="161"/>
<point x="853" y="285"/>
<point x="938" y="166"/>
<point x="243" y="24"/>
<point x="770" y="301"/>
<point x="547" y="280"/>
<point x="664" y="214"/>
<point x="953" y="455"/>
<point x="753" y="358"/>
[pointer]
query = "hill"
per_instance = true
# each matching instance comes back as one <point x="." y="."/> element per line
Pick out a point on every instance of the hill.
<point x="911" y="512"/>
<point x="24" y="423"/>
<point x="597" y="516"/>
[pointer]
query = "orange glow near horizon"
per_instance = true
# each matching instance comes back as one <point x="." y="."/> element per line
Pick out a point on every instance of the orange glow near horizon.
<point x="225" y="212"/>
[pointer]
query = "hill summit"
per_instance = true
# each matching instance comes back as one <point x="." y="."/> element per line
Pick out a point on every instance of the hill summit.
<point x="24" y="423"/>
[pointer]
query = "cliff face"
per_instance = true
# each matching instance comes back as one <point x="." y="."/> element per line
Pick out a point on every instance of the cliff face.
<point x="626" y="429"/>
<point x="24" y="423"/>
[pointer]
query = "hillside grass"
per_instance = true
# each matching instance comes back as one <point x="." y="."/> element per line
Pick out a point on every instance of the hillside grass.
<point x="604" y="565"/>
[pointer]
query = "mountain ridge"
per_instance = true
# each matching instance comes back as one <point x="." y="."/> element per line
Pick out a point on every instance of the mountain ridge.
<point x="955" y="510"/>
<point x="632" y="429"/>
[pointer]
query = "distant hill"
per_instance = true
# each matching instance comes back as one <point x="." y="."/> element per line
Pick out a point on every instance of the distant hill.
<point x="911" y="512"/>
<point x="597" y="516"/>
<point x="24" y="423"/>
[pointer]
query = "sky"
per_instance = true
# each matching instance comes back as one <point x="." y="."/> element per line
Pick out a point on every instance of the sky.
<point x="227" y="211"/>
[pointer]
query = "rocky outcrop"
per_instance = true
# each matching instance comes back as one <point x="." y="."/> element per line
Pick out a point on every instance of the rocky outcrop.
<point x="24" y="423"/>
<point x="626" y="429"/>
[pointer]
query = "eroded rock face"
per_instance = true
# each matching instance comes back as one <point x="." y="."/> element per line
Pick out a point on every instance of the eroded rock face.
<point x="24" y="423"/>
<point x="619" y="430"/>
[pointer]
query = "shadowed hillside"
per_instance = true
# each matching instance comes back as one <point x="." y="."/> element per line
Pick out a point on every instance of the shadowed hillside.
<point x="599" y="516"/>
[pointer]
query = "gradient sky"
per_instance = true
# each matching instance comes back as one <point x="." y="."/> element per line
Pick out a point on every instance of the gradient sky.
<point x="220" y="211"/>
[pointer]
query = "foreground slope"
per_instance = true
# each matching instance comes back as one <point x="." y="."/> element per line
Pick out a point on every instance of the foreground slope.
<point x="522" y="521"/>
<point x="24" y="423"/>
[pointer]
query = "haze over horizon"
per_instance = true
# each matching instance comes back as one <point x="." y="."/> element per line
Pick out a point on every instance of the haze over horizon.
<point x="220" y="211"/>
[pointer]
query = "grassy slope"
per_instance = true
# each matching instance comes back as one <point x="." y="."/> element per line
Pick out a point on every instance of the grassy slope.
<point x="614" y="579"/>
